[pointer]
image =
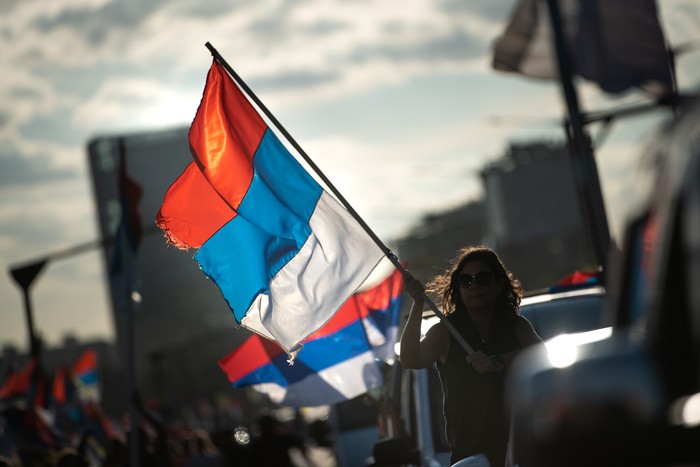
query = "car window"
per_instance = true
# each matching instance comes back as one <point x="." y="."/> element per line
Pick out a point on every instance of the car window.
<point x="567" y="315"/>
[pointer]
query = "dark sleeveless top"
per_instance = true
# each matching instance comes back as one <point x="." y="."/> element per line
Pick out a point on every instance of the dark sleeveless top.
<point x="473" y="402"/>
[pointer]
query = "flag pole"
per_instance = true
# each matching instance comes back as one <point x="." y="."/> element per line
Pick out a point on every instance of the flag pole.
<point x="387" y="252"/>
<point x="585" y="168"/>
<point x="128" y="321"/>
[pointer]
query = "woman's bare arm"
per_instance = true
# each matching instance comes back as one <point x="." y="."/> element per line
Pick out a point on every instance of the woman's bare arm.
<point x="417" y="353"/>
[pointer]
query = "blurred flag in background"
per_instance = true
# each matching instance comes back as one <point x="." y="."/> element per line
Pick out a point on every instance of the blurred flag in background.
<point x="336" y="363"/>
<point x="618" y="44"/>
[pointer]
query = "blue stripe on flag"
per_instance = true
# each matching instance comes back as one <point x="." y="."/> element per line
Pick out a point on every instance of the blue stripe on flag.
<point x="316" y="356"/>
<point x="271" y="226"/>
<point x="280" y="180"/>
<point x="88" y="378"/>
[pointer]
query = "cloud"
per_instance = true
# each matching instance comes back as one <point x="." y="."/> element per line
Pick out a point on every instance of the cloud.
<point x="400" y="89"/>
<point x="17" y="170"/>
<point x="132" y="97"/>
<point x="23" y="227"/>
<point x="49" y="216"/>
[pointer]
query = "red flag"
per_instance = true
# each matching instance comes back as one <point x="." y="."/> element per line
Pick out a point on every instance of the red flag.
<point x="63" y="388"/>
<point x="18" y="382"/>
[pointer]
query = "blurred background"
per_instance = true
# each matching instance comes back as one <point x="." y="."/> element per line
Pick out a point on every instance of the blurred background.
<point x="400" y="107"/>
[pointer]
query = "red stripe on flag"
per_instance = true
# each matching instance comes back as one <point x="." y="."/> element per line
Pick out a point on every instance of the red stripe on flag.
<point x="192" y="210"/>
<point x="224" y="148"/>
<point x="86" y="363"/>
<point x="255" y="352"/>
<point x="360" y="305"/>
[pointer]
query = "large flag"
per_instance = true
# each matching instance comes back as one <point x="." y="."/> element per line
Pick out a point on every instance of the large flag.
<point x="617" y="44"/>
<point x="284" y="253"/>
<point x="337" y="362"/>
<point x="379" y="309"/>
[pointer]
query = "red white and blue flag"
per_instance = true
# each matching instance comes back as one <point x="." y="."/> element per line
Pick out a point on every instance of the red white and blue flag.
<point x="85" y="376"/>
<point x="284" y="253"/>
<point x="337" y="362"/>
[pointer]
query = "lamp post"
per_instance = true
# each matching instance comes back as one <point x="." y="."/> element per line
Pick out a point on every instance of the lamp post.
<point x="24" y="276"/>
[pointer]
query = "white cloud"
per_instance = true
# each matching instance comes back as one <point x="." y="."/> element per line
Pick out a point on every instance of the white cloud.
<point x="134" y="102"/>
<point x="92" y="66"/>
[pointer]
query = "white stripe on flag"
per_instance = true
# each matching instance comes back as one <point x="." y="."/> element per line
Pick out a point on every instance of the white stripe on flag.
<point x="338" y="256"/>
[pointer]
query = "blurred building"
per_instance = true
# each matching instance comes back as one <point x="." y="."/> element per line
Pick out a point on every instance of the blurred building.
<point x="530" y="214"/>
<point x="535" y="219"/>
<point x="181" y="325"/>
<point x="429" y="246"/>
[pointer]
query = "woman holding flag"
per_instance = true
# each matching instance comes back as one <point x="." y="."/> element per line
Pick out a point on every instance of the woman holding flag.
<point x="481" y="299"/>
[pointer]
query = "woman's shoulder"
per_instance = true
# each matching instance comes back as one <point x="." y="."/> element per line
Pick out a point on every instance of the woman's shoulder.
<point x="521" y="320"/>
<point x="525" y="332"/>
<point x="439" y="328"/>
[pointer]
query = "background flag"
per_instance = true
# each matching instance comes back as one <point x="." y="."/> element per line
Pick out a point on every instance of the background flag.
<point x="284" y="253"/>
<point x="617" y="44"/>
<point x="63" y="389"/>
<point x="85" y="376"/>
<point x="18" y="383"/>
<point x="379" y="309"/>
<point x="124" y="266"/>
<point x="337" y="362"/>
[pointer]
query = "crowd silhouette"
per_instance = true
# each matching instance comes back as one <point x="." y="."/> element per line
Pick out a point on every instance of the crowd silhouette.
<point x="264" y="441"/>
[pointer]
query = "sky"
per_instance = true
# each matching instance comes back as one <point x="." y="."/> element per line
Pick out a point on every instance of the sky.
<point x="398" y="105"/>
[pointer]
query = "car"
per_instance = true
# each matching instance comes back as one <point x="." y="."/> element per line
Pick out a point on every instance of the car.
<point x="416" y="395"/>
<point x="632" y="398"/>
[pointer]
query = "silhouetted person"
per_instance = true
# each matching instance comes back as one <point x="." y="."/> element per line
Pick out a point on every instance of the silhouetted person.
<point x="272" y="445"/>
<point x="205" y="453"/>
<point x="70" y="458"/>
<point x="117" y="453"/>
<point x="158" y="447"/>
<point x="481" y="299"/>
<point x="234" y="453"/>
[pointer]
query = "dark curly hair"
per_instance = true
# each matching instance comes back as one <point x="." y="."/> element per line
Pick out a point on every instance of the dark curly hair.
<point x="446" y="285"/>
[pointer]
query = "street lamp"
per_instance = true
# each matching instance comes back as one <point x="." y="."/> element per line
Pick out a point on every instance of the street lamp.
<point x="24" y="276"/>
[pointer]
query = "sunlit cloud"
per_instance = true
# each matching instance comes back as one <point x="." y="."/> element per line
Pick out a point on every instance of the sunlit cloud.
<point x="406" y="91"/>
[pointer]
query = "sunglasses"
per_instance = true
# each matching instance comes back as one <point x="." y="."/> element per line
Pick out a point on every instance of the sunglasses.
<point x="482" y="279"/>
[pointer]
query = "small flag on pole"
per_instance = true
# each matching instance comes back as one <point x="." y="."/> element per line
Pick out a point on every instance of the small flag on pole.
<point x="85" y="376"/>
<point x="284" y="253"/>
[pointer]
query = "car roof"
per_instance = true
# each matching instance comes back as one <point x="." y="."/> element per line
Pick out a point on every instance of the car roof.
<point x="567" y="312"/>
<point x="574" y="310"/>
